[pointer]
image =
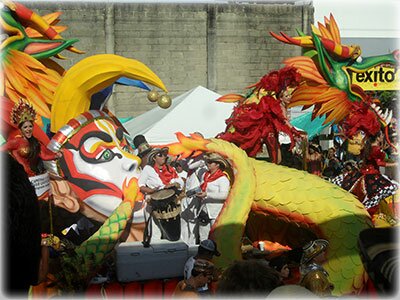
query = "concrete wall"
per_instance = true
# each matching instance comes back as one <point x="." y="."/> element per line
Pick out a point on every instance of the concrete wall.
<point x="224" y="47"/>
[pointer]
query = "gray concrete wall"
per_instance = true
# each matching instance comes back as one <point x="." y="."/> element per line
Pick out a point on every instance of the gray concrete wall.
<point x="224" y="47"/>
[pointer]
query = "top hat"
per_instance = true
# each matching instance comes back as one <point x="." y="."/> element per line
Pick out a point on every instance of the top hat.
<point x="141" y="144"/>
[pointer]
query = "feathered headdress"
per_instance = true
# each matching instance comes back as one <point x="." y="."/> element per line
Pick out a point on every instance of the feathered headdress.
<point x="361" y="118"/>
<point x="277" y="81"/>
<point x="22" y="111"/>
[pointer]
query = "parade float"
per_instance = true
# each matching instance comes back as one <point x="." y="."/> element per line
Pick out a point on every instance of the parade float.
<point x="98" y="171"/>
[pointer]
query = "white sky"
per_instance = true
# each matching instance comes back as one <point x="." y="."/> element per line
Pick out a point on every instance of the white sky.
<point x="362" y="18"/>
<point x="356" y="18"/>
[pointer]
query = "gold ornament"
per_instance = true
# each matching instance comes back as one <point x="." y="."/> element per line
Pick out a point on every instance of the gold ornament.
<point x="164" y="101"/>
<point x="153" y="96"/>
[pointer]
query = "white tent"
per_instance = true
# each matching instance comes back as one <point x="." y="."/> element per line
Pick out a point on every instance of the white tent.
<point x="193" y="111"/>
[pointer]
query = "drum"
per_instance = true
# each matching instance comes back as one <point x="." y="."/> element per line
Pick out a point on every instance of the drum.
<point x="167" y="212"/>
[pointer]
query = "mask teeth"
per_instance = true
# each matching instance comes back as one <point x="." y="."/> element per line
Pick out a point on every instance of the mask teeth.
<point x="384" y="117"/>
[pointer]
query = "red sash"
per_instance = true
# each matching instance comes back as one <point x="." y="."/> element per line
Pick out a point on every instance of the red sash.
<point x="208" y="177"/>
<point x="166" y="174"/>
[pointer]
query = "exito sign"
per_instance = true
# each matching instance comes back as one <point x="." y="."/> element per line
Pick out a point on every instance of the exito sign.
<point x="378" y="78"/>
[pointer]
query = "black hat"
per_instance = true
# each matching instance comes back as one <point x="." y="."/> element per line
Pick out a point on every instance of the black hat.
<point x="141" y="144"/>
<point x="211" y="246"/>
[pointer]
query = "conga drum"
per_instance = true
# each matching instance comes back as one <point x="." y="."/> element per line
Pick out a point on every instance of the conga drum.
<point x="167" y="212"/>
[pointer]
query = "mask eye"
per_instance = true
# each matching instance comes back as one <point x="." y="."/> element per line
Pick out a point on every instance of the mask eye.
<point x="107" y="155"/>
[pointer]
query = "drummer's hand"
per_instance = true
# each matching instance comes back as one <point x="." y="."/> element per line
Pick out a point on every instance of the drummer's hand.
<point x="201" y="194"/>
<point x="172" y="185"/>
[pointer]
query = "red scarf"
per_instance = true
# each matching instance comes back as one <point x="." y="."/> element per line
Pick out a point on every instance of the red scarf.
<point x="166" y="174"/>
<point x="208" y="177"/>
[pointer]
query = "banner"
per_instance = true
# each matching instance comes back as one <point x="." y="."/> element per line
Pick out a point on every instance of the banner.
<point x="379" y="78"/>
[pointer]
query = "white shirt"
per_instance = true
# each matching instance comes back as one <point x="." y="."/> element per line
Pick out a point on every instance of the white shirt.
<point x="217" y="192"/>
<point x="150" y="178"/>
<point x="182" y="174"/>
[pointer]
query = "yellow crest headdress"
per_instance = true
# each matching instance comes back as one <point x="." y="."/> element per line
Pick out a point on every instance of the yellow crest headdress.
<point x="22" y="111"/>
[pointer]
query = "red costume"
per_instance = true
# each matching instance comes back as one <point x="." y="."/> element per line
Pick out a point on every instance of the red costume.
<point x="19" y="149"/>
<point x="368" y="184"/>
<point x="253" y="124"/>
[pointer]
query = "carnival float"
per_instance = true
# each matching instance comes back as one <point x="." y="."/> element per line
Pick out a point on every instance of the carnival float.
<point x="88" y="178"/>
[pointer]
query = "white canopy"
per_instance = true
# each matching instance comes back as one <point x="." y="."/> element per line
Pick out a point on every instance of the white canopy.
<point x="193" y="111"/>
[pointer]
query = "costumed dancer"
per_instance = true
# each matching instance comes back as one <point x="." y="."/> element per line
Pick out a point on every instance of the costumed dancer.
<point x="24" y="147"/>
<point x="28" y="151"/>
<point x="215" y="186"/>
<point x="259" y="118"/>
<point x="156" y="176"/>
<point x="368" y="184"/>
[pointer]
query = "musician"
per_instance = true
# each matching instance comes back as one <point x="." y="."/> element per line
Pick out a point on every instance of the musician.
<point x="215" y="186"/>
<point x="157" y="175"/>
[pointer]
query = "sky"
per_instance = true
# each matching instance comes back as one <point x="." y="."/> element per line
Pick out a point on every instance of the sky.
<point x="361" y="18"/>
<point x="374" y="25"/>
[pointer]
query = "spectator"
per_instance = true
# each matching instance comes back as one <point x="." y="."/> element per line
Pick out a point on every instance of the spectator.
<point x="206" y="251"/>
<point x="281" y="265"/>
<point x="313" y="158"/>
<point x="25" y="259"/>
<point x="332" y="164"/>
<point x="201" y="275"/>
<point x="379" y="251"/>
<point x="248" y="278"/>
<point x="349" y="166"/>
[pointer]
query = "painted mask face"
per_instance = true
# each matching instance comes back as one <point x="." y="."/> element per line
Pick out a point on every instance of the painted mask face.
<point x="96" y="161"/>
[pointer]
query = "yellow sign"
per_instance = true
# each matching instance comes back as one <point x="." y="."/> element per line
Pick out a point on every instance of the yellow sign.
<point x="377" y="79"/>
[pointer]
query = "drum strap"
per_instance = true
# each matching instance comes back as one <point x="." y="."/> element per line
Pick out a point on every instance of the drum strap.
<point x="148" y="230"/>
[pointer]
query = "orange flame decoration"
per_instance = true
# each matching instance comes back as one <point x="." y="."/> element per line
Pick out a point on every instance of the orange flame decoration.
<point x="188" y="146"/>
<point x="131" y="191"/>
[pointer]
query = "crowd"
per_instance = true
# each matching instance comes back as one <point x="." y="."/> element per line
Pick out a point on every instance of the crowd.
<point x="278" y="276"/>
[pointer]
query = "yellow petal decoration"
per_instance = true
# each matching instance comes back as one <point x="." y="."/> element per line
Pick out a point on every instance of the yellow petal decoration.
<point x="89" y="76"/>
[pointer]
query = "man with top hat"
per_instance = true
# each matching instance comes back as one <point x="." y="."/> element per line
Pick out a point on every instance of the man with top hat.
<point x="142" y="148"/>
